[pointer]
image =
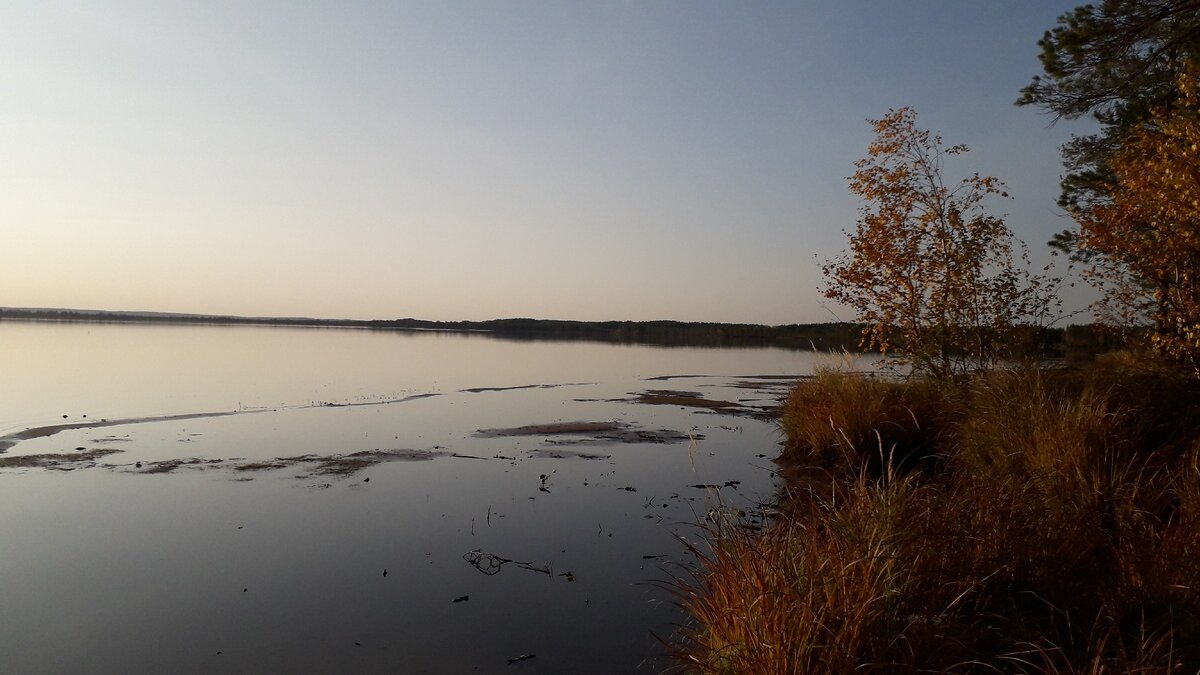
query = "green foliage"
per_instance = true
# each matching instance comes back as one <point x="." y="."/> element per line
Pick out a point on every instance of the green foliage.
<point x="1132" y="187"/>
<point x="1115" y="60"/>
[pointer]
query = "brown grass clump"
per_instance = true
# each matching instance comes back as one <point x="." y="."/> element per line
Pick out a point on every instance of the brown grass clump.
<point x="1058" y="531"/>
<point x="850" y="421"/>
<point x="835" y="590"/>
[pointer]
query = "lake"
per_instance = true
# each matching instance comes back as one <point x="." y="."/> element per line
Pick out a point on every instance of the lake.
<point x="254" y="499"/>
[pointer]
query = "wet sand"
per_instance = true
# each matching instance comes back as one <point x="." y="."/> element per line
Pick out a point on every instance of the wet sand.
<point x="12" y="439"/>
<point x="592" y="433"/>
<point x="554" y="434"/>
<point x="8" y="441"/>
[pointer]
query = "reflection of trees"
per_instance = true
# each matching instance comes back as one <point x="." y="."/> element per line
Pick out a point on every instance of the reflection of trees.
<point x="815" y="336"/>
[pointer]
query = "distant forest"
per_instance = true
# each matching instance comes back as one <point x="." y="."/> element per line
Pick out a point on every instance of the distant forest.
<point x="1075" y="340"/>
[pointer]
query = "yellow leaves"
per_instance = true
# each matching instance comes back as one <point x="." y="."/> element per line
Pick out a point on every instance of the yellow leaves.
<point x="928" y="267"/>
<point x="1148" y="229"/>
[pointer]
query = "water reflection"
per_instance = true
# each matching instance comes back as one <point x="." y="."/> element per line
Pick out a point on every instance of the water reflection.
<point x="308" y="539"/>
<point x="107" y="370"/>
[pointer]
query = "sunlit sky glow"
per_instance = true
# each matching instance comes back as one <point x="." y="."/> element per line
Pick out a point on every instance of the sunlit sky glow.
<point x="446" y="160"/>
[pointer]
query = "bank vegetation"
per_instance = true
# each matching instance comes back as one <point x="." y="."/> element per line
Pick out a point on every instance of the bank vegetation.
<point x="977" y="510"/>
<point x="1029" y="520"/>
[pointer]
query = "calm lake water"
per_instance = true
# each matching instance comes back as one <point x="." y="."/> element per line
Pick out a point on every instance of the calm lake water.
<point x="257" y="540"/>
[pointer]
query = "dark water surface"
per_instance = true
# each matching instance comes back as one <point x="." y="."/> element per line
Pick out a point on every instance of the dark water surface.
<point x="258" y="541"/>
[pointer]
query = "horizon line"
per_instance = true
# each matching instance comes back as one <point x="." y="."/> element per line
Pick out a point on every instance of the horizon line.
<point x="346" y="320"/>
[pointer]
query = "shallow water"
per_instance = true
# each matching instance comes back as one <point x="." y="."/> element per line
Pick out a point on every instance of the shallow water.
<point x="258" y="541"/>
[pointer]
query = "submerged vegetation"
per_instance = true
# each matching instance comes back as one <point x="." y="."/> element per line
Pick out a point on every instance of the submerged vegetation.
<point x="1029" y="520"/>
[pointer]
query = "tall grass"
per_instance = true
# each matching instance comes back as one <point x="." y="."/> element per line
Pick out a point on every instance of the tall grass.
<point x="1028" y="521"/>
<point x="849" y="422"/>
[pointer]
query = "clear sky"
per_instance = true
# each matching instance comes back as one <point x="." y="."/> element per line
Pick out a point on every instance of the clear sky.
<point x="476" y="160"/>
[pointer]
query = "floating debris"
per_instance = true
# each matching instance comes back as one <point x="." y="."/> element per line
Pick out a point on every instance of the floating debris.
<point x="552" y="429"/>
<point x="692" y="399"/>
<point x="59" y="461"/>
<point x="261" y="466"/>
<point x="565" y="454"/>
<point x="491" y="564"/>
<point x="686" y="399"/>
<point x="488" y="563"/>
<point x="480" y="390"/>
<point x="170" y="465"/>
<point x="592" y="433"/>
<point x="345" y="465"/>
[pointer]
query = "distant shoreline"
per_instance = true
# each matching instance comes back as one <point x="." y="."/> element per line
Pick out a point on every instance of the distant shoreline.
<point x="820" y="336"/>
<point x="835" y="336"/>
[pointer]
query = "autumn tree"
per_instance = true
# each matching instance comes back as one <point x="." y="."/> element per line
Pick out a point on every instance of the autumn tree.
<point x="929" y="270"/>
<point x="1115" y="61"/>
<point x="1120" y="62"/>
<point x="1146" y="235"/>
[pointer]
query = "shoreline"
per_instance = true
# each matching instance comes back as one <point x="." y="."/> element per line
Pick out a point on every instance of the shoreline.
<point x="834" y="336"/>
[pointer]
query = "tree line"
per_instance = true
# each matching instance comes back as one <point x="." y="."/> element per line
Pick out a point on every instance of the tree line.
<point x="1072" y="341"/>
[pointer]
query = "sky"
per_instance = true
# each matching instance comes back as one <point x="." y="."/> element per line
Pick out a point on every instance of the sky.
<point x="479" y="160"/>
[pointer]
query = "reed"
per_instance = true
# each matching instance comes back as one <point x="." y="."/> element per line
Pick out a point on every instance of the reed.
<point x="1057" y="529"/>
<point x="848" y="421"/>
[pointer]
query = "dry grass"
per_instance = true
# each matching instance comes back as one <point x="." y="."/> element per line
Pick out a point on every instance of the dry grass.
<point x="836" y="590"/>
<point x="850" y="421"/>
<point x="1059" y="531"/>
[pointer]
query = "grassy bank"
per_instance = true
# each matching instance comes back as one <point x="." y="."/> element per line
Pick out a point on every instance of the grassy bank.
<point x="1028" y="521"/>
